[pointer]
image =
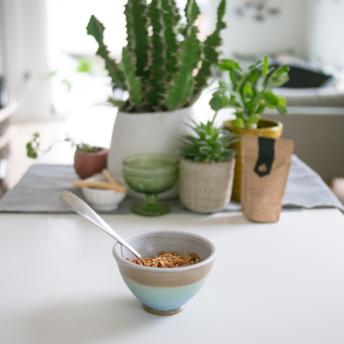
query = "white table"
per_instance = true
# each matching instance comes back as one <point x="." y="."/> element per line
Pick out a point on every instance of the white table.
<point x="271" y="283"/>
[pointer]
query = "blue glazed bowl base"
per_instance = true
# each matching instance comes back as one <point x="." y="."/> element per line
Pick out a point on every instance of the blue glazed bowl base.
<point x="169" y="312"/>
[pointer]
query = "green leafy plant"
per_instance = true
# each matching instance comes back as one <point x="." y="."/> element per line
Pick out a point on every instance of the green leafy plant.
<point x="164" y="65"/>
<point x="84" y="65"/>
<point x="250" y="92"/>
<point x="211" y="143"/>
<point x="33" y="147"/>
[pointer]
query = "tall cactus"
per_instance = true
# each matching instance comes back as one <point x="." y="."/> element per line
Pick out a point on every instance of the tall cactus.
<point x="164" y="65"/>
<point x="171" y="19"/>
<point x="183" y="83"/>
<point x="210" y="53"/>
<point x="155" y="95"/>
<point x="96" y="29"/>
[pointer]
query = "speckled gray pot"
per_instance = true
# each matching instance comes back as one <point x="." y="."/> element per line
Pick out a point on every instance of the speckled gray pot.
<point x="204" y="187"/>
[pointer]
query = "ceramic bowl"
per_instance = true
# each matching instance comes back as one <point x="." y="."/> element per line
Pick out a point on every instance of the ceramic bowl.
<point x="105" y="200"/>
<point x="165" y="291"/>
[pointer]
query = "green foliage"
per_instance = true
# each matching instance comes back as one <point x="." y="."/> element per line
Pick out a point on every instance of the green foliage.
<point x="137" y="31"/>
<point x="164" y="65"/>
<point x="182" y="86"/>
<point x="211" y="144"/>
<point x="84" y="65"/>
<point x="155" y="95"/>
<point x="134" y="84"/>
<point x="96" y="29"/>
<point x="32" y="147"/>
<point x="210" y="53"/>
<point x="249" y="93"/>
<point x="171" y="19"/>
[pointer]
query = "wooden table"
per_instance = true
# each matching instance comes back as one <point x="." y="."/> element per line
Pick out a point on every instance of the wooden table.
<point x="271" y="283"/>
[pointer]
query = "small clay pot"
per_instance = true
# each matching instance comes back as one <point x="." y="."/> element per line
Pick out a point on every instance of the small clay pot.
<point x="86" y="164"/>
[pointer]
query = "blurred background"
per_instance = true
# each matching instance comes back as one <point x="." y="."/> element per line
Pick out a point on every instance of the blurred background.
<point x="50" y="65"/>
<point x="49" y="69"/>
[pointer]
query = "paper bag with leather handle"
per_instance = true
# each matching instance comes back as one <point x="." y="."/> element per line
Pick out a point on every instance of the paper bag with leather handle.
<point x="265" y="170"/>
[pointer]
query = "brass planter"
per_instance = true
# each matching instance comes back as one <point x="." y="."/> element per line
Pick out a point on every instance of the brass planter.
<point x="266" y="128"/>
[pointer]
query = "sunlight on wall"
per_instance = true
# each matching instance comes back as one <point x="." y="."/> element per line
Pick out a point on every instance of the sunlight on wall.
<point x="327" y="28"/>
<point x="250" y="31"/>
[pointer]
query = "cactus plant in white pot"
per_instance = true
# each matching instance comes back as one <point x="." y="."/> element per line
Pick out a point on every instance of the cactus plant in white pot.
<point x="164" y="69"/>
<point x="206" y="168"/>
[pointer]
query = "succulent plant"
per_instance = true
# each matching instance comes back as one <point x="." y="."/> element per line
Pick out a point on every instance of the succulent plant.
<point x="211" y="143"/>
<point x="164" y="65"/>
<point x="249" y="93"/>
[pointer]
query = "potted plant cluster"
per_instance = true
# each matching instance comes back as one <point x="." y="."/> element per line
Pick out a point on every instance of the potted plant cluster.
<point x="206" y="168"/>
<point x="163" y="69"/>
<point x="88" y="159"/>
<point x="250" y="93"/>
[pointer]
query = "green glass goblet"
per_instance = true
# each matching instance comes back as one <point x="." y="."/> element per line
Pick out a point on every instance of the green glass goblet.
<point x="151" y="174"/>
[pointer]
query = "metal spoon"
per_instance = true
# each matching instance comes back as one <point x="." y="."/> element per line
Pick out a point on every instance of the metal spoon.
<point x="83" y="209"/>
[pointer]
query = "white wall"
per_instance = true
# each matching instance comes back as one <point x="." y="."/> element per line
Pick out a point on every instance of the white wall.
<point x="326" y="43"/>
<point x="2" y="32"/>
<point x="280" y="33"/>
<point x="23" y="56"/>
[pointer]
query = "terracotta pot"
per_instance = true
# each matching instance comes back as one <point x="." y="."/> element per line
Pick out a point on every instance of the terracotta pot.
<point x="155" y="132"/>
<point x="266" y="128"/>
<point x="204" y="187"/>
<point x="86" y="164"/>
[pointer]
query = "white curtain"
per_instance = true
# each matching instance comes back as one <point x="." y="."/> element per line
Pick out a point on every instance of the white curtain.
<point x="23" y="56"/>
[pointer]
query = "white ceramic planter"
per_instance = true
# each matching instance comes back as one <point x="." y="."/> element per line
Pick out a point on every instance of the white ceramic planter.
<point x="158" y="132"/>
<point x="205" y="188"/>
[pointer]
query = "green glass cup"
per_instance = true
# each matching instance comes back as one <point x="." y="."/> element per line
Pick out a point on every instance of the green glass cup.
<point x="151" y="174"/>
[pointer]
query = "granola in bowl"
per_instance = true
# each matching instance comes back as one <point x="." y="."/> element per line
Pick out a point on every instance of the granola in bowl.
<point x="168" y="260"/>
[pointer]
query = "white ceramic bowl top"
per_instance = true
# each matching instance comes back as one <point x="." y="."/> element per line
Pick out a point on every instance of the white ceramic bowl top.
<point x="105" y="200"/>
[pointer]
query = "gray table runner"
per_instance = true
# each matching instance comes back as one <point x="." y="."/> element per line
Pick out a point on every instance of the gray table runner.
<point x="38" y="191"/>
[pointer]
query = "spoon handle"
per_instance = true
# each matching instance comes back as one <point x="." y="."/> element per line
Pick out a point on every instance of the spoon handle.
<point x="83" y="209"/>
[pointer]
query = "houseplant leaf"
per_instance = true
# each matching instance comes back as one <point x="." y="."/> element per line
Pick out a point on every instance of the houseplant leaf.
<point x="133" y="83"/>
<point x="271" y="98"/>
<point x="182" y="86"/>
<point x="96" y="29"/>
<point x="170" y="19"/>
<point x="137" y="31"/>
<point x="191" y="12"/>
<point x="157" y="86"/>
<point x="210" y="52"/>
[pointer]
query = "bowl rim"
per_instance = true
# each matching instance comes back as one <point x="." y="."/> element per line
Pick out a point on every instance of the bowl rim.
<point x="212" y="256"/>
<point x="120" y="180"/>
<point x="174" y="164"/>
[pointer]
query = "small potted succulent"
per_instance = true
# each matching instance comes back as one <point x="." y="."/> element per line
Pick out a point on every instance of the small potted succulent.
<point x="249" y="93"/>
<point x="206" y="168"/>
<point x="163" y="68"/>
<point x="88" y="159"/>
